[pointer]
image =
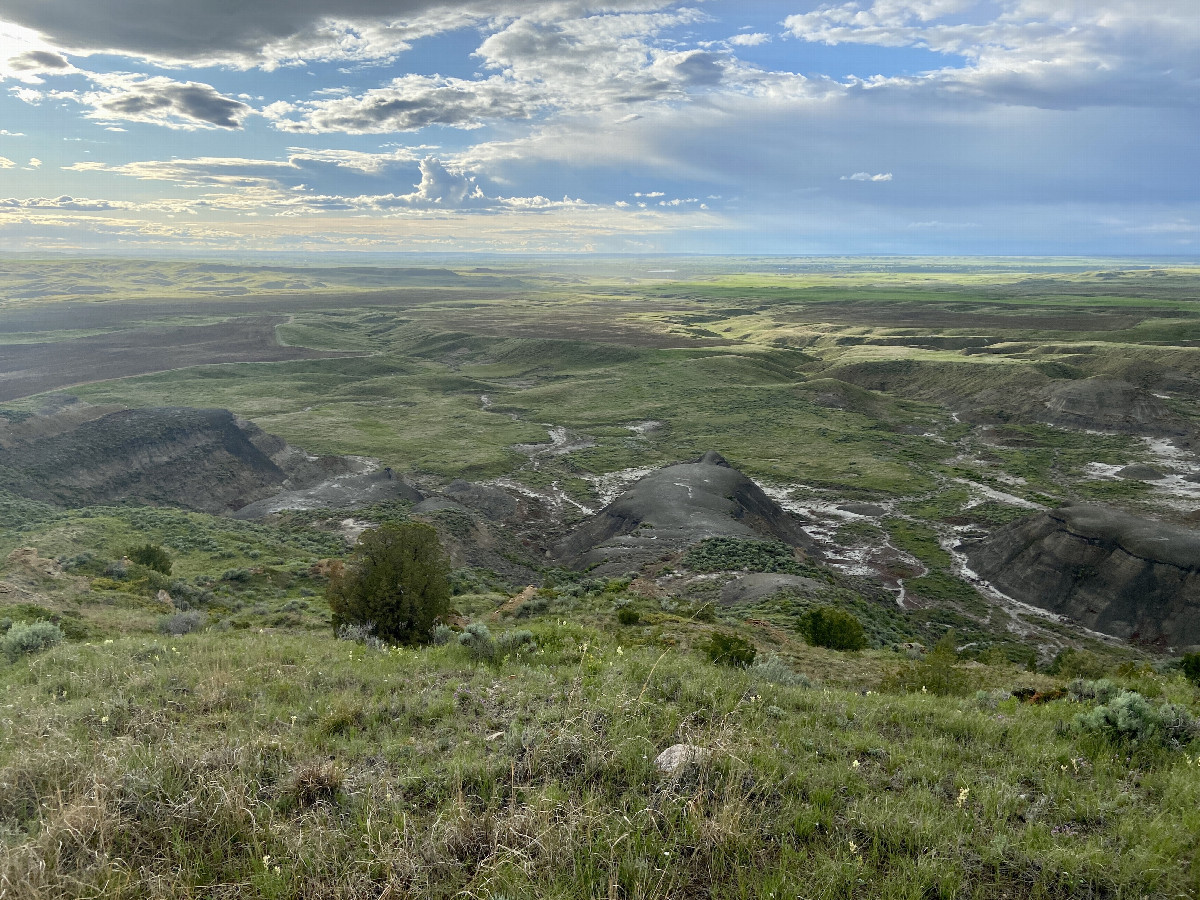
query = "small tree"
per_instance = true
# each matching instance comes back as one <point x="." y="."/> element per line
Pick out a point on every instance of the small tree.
<point x="1191" y="667"/>
<point x="828" y="626"/>
<point x="152" y="556"/>
<point x="395" y="580"/>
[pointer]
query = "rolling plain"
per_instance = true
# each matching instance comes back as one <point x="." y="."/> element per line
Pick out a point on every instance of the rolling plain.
<point x="992" y="463"/>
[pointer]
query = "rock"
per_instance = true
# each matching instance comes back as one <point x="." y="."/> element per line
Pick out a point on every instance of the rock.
<point x="204" y="459"/>
<point x="164" y="597"/>
<point x="757" y="585"/>
<point x="1108" y="404"/>
<point x="27" y="559"/>
<point x="1111" y="571"/>
<point x="673" y="508"/>
<point x="680" y="755"/>
<point x="1141" y="473"/>
<point x="490" y="502"/>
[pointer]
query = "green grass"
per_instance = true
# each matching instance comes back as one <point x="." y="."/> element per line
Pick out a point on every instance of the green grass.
<point x="299" y="767"/>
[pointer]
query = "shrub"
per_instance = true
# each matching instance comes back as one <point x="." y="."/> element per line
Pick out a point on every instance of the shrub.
<point x="734" y="554"/>
<point x="361" y="634"/>
<point x="627" y="615"/>
<point x="152" y="556"/>
<point x="1190" y="664"/>
<point x="1129" y="718"/>
<point x="937" y="673"/>
<point x="181" y="622"/>
<point x="1101" y="691"/>
<point x="441" y="634"/>
<point x="772" y="669"/>
<point x="514" y="642"/>
<point x="728" y="649"/>
<point x="395" y="579"/>
<point x="478" y="641"/>
<point x="1072" y="663"/>
<point x="22" y="639"/>
<point x="828" y="626"/>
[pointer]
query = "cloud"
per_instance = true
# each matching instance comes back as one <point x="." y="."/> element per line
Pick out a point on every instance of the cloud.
<point x="4" y="132"/>
<point x="1054" y="54"/>
<point x="867" y="176"/>
<point x="39" y="61"/>
<point x="409" y="103"/>
<point x="73" y="204"/>
<point x="750" y="40"/>
<point x="34" y="163"/>
<point x="271" y="32"/>
<point x="161" y="101"/>
<point x="6" y="163"/>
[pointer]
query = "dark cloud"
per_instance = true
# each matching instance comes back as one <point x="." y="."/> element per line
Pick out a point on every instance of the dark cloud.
<point x="409" y="103"/>
<point x="39" y="61"/>
<point x="165" y="102"/>
<point x="233" y="30"/>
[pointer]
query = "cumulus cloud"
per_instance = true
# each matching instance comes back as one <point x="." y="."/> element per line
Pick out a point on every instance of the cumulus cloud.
<point x="161" y="101"/>
<point x="6" y="163"/>
<point x="750" y="40"/>
<point x="867" y="176"/>
<point x="409" y="103"/>
<point x="1057" y="54"/>
<point x="270" y="32"/>
<point x="39" y="61"/>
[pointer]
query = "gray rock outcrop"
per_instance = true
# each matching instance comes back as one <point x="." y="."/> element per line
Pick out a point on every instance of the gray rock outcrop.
<point x="673" y="508"/>
<point x="1113" y="572"/>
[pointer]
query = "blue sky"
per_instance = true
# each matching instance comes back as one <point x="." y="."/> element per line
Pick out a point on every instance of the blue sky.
<point x="789" y="126"/>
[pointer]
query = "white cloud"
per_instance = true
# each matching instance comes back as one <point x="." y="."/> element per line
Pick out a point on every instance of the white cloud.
<point x="750" y="40"/>
<point x="409" y="103"/>
<point x="6" y="163"/>
<point x="4" y="132"/>
<point x="867" y="176"/>
<point x="34" y="163"/>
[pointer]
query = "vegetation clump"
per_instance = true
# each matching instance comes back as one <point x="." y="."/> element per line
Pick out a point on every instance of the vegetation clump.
<point x="836" y="629"/>
<point x="34" y="637"/>
<point x="479" y="642"/>
<point x="937" y="673"/>
<point x="1129" y="718"/>
<point x="181" y="622"/>
<point x="728" y="649"/>
<point x="1191" y="667"/>
<point x="720" y="554"/>
<point x="152" y="556"/>
<point x="396" y="580"/>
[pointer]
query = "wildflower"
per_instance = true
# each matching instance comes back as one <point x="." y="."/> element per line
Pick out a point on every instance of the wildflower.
<point x="924" y="690"/>
<point x="855" y="764"/>
<point x="108" y="641"/>
<point x="619" y="651"/>
<point x="104" y="720"/>
<point x="962" y="796"/>
<point x="853" y="847"/>
<point x="266" y="860"/>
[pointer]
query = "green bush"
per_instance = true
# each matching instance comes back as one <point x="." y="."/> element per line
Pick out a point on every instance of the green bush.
<point x="1190" y="664"/>
<point x="772" y="669"/>
<point x="627" y="615"/>
<point x="514" y="642"/>
<point x="728" y="649"/>
<point x="32" y="638"/>
<point x="1129" y="718"/>
<point x="396" y="580"/>
<point x="478" y="641"/>
<point x="720" y="554"/>
<point x="152" y="556"/>
<point x="181" y="622"/>
<point x="938" y="673"/>
<point x="828" y="626"/>
<point x="1072" y="663"/>
<point x="441" y="634"/>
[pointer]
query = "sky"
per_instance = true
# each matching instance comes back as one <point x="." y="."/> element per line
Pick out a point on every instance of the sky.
<point x="947" y="127"/>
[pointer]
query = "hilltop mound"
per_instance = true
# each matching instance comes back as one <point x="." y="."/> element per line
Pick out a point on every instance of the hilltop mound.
<point x="673" y="508"/>
<point x="203" y="459"/>
<point x="1121" y="574"/>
